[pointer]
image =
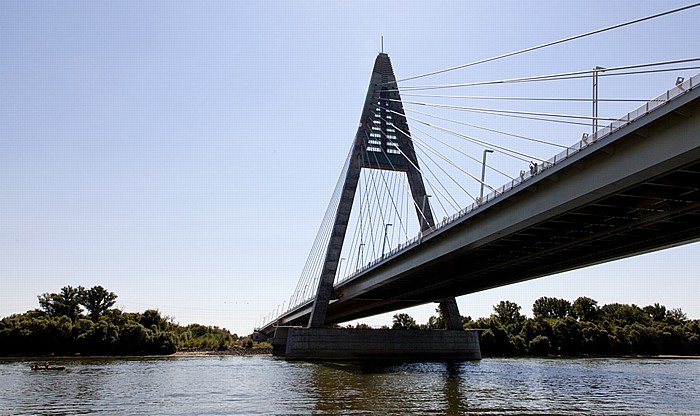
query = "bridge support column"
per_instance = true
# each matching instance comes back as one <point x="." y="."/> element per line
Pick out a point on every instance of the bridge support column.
<point x="450" y="314"/>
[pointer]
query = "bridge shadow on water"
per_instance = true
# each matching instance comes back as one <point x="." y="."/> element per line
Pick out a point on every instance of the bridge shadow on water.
<point x="392" y="387"/>
<point x="454" y="369"/>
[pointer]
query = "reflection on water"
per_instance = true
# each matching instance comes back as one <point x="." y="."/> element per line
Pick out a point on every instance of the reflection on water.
<point x="263" y="385"/>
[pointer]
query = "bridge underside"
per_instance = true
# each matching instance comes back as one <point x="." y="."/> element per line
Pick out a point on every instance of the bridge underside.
<point x="657" y="214"/>
<point x="636" y="191"/>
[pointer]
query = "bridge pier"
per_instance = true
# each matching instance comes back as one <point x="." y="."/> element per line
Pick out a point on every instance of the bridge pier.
<point x="450" y="314"/>
<point x="342" y="344"/>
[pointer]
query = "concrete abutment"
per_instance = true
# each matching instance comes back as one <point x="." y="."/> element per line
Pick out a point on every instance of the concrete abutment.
<point x="341" y="344"/>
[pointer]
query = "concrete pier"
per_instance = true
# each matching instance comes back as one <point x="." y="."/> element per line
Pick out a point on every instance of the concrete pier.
<point x="338" y="344"/>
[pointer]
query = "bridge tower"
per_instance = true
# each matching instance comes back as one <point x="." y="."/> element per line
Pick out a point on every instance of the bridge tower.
<point x="382" y="141"/>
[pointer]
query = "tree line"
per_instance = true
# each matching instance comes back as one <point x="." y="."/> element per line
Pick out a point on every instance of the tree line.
<point x="83" y="321"/>
<point x="581" y="327"/>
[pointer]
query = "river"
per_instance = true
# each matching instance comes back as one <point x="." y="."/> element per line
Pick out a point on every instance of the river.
<point x="229" y="385"/>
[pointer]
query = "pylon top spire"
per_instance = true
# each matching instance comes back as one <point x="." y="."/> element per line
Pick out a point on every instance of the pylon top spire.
<point x="383" y="136"/>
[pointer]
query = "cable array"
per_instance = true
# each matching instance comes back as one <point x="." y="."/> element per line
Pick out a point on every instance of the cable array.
<point x="385" y="217"/>
<point x="468" y="155"/>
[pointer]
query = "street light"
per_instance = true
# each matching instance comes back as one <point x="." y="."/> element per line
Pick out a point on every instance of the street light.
<point x="386" y="228"/>
<point x="483" y="175"/>
<point x="359" y="252"/>
<point x="594" y="121"/>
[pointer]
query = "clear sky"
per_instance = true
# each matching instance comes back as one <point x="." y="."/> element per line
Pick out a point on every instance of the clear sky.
<point x="182" y="154"/>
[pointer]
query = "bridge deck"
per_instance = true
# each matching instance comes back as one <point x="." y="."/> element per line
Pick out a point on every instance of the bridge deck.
<point x="634" y="191"/>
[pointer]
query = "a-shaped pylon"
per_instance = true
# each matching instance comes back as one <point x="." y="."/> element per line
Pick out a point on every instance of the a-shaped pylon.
<point x="382" y="141"/>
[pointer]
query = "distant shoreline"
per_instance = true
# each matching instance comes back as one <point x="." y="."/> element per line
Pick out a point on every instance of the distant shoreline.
<point x="250" y="352"/>
<point x="239" y="352"/>
<point x="668" y="357"/>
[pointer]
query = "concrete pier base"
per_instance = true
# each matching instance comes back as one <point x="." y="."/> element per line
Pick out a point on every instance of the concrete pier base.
<point x="336" y="344"/>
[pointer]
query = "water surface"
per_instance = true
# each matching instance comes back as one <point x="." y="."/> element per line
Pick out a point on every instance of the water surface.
<point x="264" y="385"/>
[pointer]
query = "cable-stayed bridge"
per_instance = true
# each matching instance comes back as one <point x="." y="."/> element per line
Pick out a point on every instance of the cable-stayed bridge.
<point x="413" y="219"/>
<point x="630" y="188"/>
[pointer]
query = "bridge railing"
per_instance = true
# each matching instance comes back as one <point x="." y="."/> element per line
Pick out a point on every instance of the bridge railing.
<point x="524" y="176"/>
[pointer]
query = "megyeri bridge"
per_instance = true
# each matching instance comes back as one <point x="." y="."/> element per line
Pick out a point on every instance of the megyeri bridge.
<point x="627" y="188"/>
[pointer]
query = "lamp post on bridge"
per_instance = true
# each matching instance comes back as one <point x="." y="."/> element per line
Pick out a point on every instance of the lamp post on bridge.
<point x="483" y="175"/>
<point x="386" y="229"/>
<point x="594" y="121"/>
<point x="359" y="253"/>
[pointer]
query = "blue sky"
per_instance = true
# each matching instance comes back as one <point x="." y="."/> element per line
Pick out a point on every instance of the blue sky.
<point x="182" y="154"/>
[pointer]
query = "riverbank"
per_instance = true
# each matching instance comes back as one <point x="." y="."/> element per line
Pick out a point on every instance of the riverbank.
<point x="236" y="351"/>
<point x="668" y="357"/>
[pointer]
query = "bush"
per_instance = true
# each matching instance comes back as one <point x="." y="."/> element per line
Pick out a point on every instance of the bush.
<point x="540" y="345"/>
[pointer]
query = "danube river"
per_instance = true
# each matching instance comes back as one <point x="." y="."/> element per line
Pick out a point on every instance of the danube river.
<point x="230" y="385"/>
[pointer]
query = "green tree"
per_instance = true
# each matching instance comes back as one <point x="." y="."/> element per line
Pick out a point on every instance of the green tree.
<point x="567" y="336"/>
<point x="65" y="303"/>
<point x="97" y="300"/>
<point x="656" y="312"/>
<point x="508" y="314"/>
<point x="495" y="341"/>
<point x="165" y="342"/>
<point x="585" y="309"/>
<point x="676" y="316"/>
<point x="99" y="338"/>
<point x="152" y="319"/>
<point x="403" y="321"/>
<point x="623" y="315"/>
<point x="545" y="307"/>
<point x="536" y="327"/>
<point x="596" y="340"/>
<point x="540" y="345"/>
<point x="642" y="339"/>
<point x="59" y="333"/>
<point x="435" y="321"/>
<point x="134" y="339"/>
<point x="517" y="345"/>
